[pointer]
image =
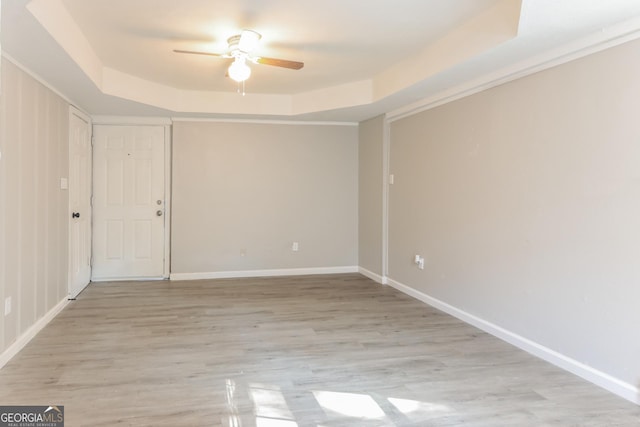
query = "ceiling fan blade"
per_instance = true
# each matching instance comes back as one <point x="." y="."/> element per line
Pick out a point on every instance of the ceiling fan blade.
<point x="294" y="65"/>
<point x="193" y="52"/>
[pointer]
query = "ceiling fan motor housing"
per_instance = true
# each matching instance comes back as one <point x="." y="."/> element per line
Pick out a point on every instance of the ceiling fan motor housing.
<point x="245" y="42"/>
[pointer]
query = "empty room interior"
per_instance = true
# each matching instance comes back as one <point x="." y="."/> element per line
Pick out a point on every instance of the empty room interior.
<point x="299" y="213"/>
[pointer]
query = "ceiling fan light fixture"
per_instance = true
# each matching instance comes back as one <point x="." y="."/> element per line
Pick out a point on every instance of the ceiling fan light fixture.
<point x="248" y="41"/>
<point x="239" y="70"/>
<point x="240" y="50"/>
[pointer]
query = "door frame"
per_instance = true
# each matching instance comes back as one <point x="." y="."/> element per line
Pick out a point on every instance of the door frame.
<point x="166" y="123"/>
<point x="74" y="111"/>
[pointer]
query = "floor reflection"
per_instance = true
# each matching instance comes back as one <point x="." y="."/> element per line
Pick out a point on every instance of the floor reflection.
<point x="234" y="416"/>
<point x="349" y="404"/>
<point x="266" y="405"/>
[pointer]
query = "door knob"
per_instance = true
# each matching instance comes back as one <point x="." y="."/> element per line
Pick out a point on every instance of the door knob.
<point x="159" y="212"/>
<point x="75" y="215"/>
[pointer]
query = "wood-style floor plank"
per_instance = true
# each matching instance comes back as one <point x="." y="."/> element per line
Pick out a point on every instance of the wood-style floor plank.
<point x="326" y="351"/>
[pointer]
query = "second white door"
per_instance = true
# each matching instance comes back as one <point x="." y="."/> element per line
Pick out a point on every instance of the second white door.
<point x="79" y="202"/>
<point x="129" y="202"/>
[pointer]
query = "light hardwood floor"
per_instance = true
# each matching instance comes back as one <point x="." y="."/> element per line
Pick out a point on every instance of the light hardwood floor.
<point x="324" y="351"/>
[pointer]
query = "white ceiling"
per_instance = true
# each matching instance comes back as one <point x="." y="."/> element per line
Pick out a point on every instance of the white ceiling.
<point x="333" y="37"/>
<point x="362" y="58"/>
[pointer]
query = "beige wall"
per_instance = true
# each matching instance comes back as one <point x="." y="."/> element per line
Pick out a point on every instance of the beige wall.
<point x="33" y="209"/>
<point x="243" y="192"/>
<point x="370" y="181"/>
<point x="525" y="202"/>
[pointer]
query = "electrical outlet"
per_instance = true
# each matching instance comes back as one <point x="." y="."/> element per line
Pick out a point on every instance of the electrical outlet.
<point x="7" y="306"/>
<point x="295" y="247"/>
<point x="421" y="264"/>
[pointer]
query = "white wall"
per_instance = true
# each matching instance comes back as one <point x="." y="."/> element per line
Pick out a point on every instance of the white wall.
<point x="244" y="192"/>
<point x="525" y="202"/>
<point x="33" y="209"/>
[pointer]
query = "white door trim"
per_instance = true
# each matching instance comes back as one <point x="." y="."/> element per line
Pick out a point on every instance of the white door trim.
<point x="168" y="144"/>
<point x="386" y="182"/>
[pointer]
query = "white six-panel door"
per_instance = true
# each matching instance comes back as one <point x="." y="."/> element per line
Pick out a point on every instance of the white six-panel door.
<point x="129" y="202"/>
<point x="79" y="185"/>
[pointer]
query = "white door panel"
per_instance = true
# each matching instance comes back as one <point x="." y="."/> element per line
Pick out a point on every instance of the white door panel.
<point x="129" y="202"/>
<point x="79" y="202"/>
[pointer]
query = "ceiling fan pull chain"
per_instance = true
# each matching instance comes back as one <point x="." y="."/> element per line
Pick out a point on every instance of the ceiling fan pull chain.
<point x="241" y="83"/>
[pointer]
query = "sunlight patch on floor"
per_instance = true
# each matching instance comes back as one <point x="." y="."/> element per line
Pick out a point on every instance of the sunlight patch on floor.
<point x="270" y="406"/>
<point x="408" y="407"/>
<point x="270" y="403"/>
<point x="274" y="422"/>
<point x="349" y="404"/>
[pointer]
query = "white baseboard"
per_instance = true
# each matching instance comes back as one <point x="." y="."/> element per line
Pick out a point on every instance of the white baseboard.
<point x="599" y="378"/>
<point x="373" y="276"/>
<point x="263" y="273"/>
<point x="126" y="279"/>
<point x="24" y="339"/>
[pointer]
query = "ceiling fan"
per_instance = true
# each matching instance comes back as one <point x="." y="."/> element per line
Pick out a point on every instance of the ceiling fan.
<point x="241" y="48"/>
